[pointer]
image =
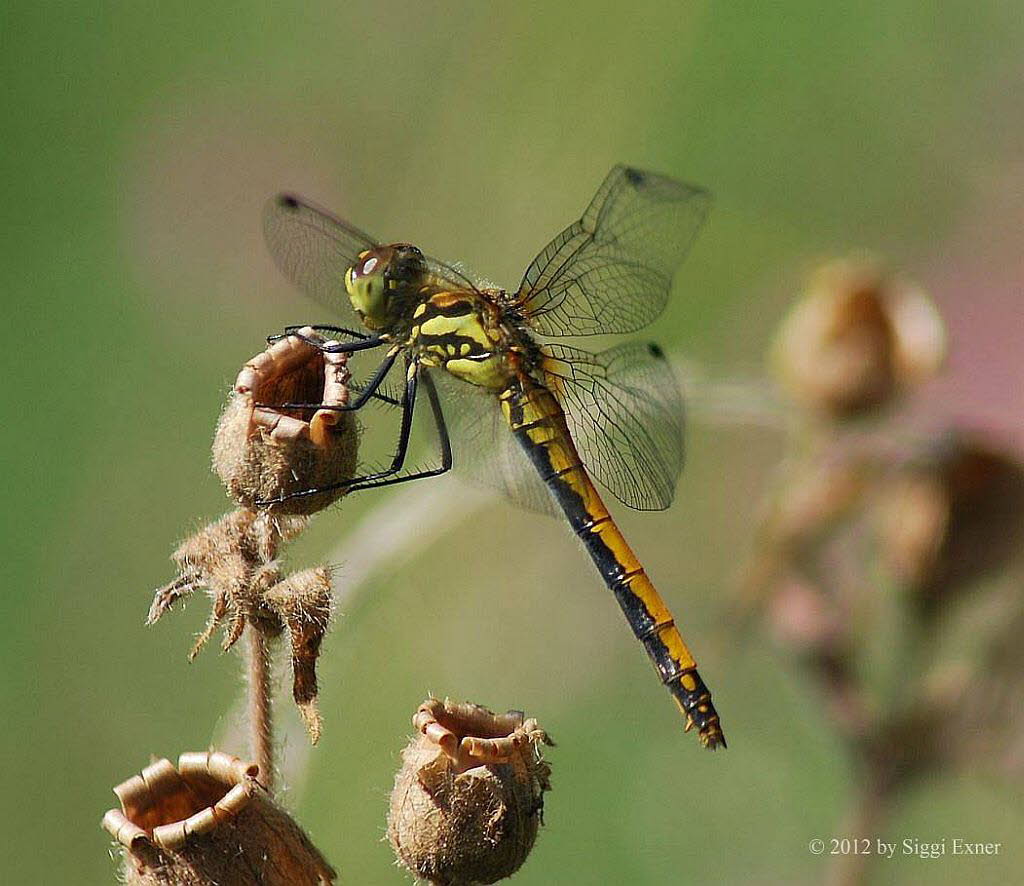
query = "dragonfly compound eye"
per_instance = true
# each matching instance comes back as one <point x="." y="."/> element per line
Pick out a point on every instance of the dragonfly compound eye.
<point x="366" y="282"/>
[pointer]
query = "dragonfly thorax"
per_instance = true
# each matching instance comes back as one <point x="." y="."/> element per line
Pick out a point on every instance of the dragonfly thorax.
<point x="464" y="334"/>
<point x="383" y="283"/>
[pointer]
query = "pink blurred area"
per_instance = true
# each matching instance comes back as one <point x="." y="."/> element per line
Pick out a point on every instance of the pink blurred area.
<point x="978" y="280"/>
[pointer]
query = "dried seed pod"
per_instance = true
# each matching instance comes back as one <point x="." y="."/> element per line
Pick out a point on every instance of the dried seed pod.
<point x="209" y="823"/>
<point x="233" y="560"/>
<point x="467" y="802"/>
<point x="303" y="604"/>
<point x="264" y="451"/>
<point x="951" y="518"/>
<point x="857" y="338"/>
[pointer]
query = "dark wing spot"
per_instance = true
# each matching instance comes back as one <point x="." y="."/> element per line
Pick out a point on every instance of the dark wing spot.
<point x="655" y="351"/>
<point x="634" y="176"/>
<point x="287" y="201"/>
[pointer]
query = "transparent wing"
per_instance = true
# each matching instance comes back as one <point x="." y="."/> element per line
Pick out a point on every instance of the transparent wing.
<point x="484" y="451"/>
<point x="314" y="249"/>
<point x="448" y="277"/>
<point x="612" y="270"/>
<point x="625" y="413"/>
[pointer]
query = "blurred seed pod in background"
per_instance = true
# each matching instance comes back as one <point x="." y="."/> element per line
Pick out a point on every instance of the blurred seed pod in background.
<point x="207" y="822"/>
<point x="811" y="498"/>
<point x="263" y="451"/>
<point x="857" y="338"/>
<point x="468" y="799"/>
<point x="887" y="561"/>
<point x="950" y="518"/>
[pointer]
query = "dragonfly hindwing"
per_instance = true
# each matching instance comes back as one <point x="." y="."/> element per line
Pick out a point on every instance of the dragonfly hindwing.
<point x="625" y="413"/>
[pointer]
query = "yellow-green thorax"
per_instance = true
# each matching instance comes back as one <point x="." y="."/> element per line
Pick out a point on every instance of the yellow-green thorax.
<point x="462" y="333"/>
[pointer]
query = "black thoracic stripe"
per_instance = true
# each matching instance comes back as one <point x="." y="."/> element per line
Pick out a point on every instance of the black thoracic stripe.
<point x="459" y="308"/>
<point x="697" y="701"/>
<point x="453" y="340"/>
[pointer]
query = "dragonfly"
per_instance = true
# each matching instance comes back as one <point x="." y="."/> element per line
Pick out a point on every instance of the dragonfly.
<point x="542" y="420"/>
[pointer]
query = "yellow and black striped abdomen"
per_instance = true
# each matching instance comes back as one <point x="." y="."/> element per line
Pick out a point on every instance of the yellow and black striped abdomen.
<point x="538" y="423"/>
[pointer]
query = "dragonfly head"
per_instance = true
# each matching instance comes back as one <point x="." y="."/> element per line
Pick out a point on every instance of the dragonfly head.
<point x="382" y="281"/>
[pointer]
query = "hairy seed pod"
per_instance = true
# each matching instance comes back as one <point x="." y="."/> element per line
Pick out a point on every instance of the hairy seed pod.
<point x="467" y="801"/>
<point x="858" y="337"/>
<point x="264" y="451"/>
<point x="234" y="559"/>
<point x="209" y="823"/>
<point x="302" y="602"/>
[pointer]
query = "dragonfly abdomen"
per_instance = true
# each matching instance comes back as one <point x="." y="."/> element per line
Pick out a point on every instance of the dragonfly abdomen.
<point x="539" y="424"/>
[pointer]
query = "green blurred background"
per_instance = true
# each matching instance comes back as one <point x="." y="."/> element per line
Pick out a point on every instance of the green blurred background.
<point x="140" y="142"/>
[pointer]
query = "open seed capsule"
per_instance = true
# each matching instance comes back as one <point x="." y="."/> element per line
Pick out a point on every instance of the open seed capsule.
<point x="467" y="802"/>
<point x="271" y="455"/>
<point x="207" y="822"/>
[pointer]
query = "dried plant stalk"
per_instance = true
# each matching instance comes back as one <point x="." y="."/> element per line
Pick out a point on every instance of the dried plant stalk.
<point x="212" y="820"/>
<point x="208" y="822"/>
<point x="261" y="721"/>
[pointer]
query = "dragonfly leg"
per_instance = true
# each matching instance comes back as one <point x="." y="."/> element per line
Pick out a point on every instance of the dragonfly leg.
<point x="362" y="342"/>
<point x="446" y="447"/>
<point x="408" y="405"/>
<point x="326" y="327"/>
<point x="317" y="327"/>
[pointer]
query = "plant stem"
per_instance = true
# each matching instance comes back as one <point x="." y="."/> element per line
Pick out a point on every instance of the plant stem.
<point x="864" y="821"/>
<point x="261" y="724"/>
